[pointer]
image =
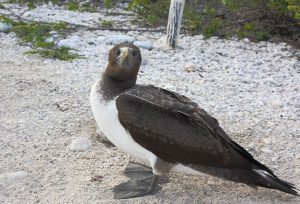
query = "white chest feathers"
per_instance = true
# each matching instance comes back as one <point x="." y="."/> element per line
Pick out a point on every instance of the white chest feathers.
<point x="106" y="115"/>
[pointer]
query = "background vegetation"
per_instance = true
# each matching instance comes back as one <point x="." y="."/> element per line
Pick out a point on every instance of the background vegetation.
<point x="255" y="19"/>
<point x="258" y="20"/>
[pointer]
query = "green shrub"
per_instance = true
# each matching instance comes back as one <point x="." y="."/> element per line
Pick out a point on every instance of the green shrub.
<point x="152" y="20"/>
<point x="294" y="6"/>
<point x="35" y="34"/>
<point x="212" y="27"/>
<point x="61" y="53"/>
<point x="191" y="18"/>
<point x="72" y="6"/>
<point x="107" y="4"/>
<point x="152" y="13"/>
<point x="77" y="6"/>
<point x="254" y="19"/>
<point x="140" y="7"/>
<point x="106" y="23"/>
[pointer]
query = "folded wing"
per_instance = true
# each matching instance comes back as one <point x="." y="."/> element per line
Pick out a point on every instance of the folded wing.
<point x="178" y="131"/>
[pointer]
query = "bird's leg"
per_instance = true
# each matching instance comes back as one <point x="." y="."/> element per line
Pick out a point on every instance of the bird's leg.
<point x="153" y="184"/>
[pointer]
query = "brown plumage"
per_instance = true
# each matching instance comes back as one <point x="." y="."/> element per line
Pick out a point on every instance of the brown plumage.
<point x="115" y="71"/>
<point x="177" y="131"/>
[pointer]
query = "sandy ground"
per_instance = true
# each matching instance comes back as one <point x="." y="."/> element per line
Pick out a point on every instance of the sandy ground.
<point x="44" y="106"/>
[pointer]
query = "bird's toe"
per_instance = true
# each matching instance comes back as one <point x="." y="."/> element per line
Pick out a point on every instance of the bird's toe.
<point x="132" y="189"/>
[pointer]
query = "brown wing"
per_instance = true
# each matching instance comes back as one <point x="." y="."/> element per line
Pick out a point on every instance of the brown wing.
<point x="176" y="130"/>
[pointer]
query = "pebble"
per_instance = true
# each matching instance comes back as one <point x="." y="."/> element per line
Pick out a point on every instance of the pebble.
<point x="246" y="40"/>
<point x="54" y="34"/>
<point x="50" y="39"/>
<point x="80" y="145"/>
<point x="4" y="27"/>
<point x="13" y="177"/>
<point x="189" y="67"/>
<point x="101" y="39"/>
<point x="266" y="150"/>
<point x="71" y="42"/>
<point x="116" y="39"/>
<point x="276" y="103"/>
<point x="144" y="44"/>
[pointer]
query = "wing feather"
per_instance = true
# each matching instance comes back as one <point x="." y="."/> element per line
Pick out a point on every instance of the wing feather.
<point x="175" y="135"/>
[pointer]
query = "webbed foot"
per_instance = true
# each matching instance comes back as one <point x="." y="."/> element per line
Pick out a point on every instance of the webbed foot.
<point x="142" y="182"/>
<point x="132" y="189"/>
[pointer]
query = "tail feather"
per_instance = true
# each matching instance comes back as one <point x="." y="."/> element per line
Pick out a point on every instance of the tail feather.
<point x="271" y="181"/>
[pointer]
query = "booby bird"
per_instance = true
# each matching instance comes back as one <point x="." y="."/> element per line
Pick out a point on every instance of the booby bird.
<point x="167" y="130"/>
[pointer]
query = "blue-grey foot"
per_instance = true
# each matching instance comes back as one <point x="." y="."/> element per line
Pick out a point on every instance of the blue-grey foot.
<point x="135" y="189"/>
<point x="142" y="182"/>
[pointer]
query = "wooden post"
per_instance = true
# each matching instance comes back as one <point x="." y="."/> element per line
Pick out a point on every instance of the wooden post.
<point x="174" y="21"/>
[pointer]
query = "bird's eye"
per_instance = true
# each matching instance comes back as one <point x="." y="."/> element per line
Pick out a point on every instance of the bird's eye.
<point x="134" y="53"/>
<point x="118" y="52"/>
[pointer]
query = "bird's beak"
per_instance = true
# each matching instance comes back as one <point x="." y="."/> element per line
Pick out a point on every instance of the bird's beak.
<point x="124" y="57"/>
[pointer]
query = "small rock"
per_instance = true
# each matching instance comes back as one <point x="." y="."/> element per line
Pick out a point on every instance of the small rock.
<point x="246" y="40"/>
<point x="80" y="145"/>
<point x="101" y="39"/>
<point x="144" y="44"/>
<point x="116" y="39"/>
<point x="176" y="58"/>
<point x="266" y="150"/>
<point x="62" y="106"/>
<point x="54" y="34"/>
<point x="50" y="39"/>
<point x="189" y="67"/>
<point x="276" y="103"/>
<point x="267" y="140"/>
<point x="71" y="42"/>
<point x="97" y="178"/>
<point x="5" y="27"/>
<point x="13" y="177"/>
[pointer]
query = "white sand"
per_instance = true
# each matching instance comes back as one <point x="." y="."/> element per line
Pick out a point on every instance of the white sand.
<point x="252" y="89"/>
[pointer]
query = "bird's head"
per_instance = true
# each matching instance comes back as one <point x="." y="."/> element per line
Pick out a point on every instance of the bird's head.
<point x="124" y="61"/>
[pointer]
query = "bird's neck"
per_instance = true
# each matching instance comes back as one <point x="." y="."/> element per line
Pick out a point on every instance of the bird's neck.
<point x="110" y="87"/>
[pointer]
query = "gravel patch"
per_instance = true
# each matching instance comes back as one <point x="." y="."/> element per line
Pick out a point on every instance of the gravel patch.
<point x="251" y="88"/>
